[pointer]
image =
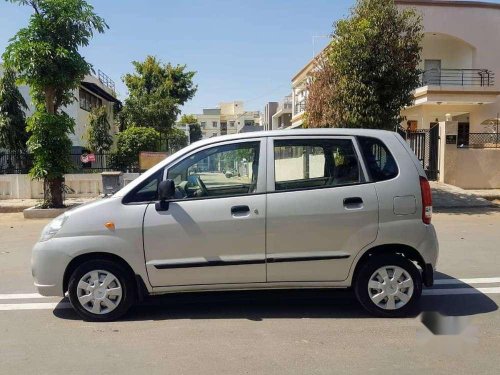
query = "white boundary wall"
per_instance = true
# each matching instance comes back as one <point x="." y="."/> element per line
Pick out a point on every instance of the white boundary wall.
<point x="20" y="186"/>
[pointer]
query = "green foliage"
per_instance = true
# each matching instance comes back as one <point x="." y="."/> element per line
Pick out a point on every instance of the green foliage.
<point x="156" y="92"/>
<point x="373" y="60"/>
<point x="177" y="139"/>
<point x="130" y="143"/>
<point x="50" y="144"/>
<point x="13" y="135"/>
<point x="45" y="53"/>
<point x="46" y="56"/>
<point x="97" y="135"/>
<point x="195" y="133"/>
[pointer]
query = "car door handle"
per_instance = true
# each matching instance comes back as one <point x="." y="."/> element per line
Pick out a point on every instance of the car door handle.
<point x="353" y="202"/>
<point x="235" y="210"/>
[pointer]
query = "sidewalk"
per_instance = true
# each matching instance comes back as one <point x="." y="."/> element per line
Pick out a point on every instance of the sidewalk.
<point x="18" y="205"/>
<point x="449" y="196"/>
<point x="443" y="196"/>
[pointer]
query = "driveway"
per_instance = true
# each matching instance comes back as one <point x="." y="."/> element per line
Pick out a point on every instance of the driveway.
<point x="446" y="196"/>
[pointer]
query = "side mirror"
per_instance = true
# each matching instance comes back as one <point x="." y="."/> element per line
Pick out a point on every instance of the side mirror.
<point x="166" y="191"/>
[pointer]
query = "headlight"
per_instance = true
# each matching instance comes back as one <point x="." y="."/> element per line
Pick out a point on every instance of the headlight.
<point x="53" y="227"/>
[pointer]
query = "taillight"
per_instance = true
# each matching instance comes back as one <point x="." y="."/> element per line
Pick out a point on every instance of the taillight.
<point x="425" y="188"/>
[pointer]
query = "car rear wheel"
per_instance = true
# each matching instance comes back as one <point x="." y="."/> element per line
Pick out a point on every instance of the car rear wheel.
<point x="388" y="285"/>
<point x="101" y="290"/>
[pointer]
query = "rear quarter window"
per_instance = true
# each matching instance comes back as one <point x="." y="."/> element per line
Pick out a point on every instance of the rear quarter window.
<point x="379" y="161"/>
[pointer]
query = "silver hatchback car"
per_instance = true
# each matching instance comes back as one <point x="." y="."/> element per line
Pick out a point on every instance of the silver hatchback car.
<point x="325" y="208"/>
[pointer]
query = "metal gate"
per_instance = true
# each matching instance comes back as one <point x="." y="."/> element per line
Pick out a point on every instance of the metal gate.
<point x="425" y="144"/>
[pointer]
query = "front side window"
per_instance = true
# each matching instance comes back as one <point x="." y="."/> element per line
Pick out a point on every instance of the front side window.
<point x="310" y="163"/>
<point x="379" y="161"/>
<point x="147" y="191"/>
<point x="224" y="170"/>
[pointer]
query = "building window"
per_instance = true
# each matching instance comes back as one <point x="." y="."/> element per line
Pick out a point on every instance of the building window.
<point x="203" y="124"/>
<point x="89" y="101"/>
<point x="231" y="124"/>
<point x="214" y="124"/>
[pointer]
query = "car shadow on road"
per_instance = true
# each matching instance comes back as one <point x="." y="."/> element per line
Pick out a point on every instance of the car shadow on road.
<point x="287" y="304"/>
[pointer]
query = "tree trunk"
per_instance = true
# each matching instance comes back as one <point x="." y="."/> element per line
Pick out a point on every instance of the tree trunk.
<point x="55" y="187"/>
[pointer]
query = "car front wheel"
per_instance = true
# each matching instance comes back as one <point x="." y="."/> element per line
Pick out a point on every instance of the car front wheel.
<point x="388" y="285"/>
<point x="101" y="290"/>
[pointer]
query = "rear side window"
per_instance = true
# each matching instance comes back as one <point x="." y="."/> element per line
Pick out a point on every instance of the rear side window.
<point x="310" y="163"/>
<point x="379" y="161"/>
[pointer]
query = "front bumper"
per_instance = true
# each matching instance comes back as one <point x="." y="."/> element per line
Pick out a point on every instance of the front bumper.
<point x="48" y="264"/>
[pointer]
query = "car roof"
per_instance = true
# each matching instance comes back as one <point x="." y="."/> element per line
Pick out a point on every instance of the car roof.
<point x="297" y="132"/>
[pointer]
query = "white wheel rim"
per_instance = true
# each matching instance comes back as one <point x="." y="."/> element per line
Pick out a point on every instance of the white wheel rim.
<point x="390" y="287"/>
<point x="99" y="292"/>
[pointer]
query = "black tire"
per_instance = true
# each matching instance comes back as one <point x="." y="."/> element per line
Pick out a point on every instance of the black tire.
<point x="123" y="275"/>
<point x="366" y="271"/>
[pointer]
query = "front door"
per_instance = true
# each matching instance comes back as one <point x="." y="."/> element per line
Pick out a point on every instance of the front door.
<point x="432" y="72"/>
<point x="214" y="231"/>
<point x="320" y="210"/>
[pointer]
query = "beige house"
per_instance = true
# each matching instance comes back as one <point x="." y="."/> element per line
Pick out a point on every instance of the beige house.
<point x="299" y="94"/>
<point x="460" y="58"/>
<point x="98" y="90"/>
<point x="228" y="118"/>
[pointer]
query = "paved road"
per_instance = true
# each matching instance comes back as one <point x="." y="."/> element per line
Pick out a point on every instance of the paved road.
<point x="309" y="332"/>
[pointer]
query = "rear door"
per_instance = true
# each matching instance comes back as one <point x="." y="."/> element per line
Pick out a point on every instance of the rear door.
<point x="320" y="209"/>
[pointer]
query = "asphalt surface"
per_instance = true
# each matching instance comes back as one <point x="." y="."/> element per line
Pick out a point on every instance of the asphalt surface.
<point x="285" y="332"/>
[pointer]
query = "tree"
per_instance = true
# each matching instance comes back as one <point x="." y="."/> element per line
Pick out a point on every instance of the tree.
<point x="45" y="55"/>
<point x="195" y="133"/>
<point x="13" y="135"/>
<point x="130" y="143"/>
<point x="177" y="139"/>
<point x="372" y="62"/>
<point x="97" y="134"/>
<point x="156" y="92"/>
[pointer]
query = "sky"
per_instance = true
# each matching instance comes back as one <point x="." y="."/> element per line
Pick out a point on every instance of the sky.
<point x="241" y="50"/>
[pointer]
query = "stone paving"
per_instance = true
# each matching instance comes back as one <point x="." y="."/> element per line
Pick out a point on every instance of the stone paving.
<point x="449" y="196"/>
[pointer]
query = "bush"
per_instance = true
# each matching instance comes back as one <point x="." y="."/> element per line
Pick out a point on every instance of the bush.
<point x="97" y="134"/>
<point x="130" y="143"/>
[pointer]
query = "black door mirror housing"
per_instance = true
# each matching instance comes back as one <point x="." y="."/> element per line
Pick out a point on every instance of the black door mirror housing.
<point x="166" y="191"/>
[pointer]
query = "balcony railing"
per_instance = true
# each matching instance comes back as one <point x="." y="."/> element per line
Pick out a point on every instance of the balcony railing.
<point x="299" y="108"/>
<point x="458" y="77"/>
<point x="105" y="80"/>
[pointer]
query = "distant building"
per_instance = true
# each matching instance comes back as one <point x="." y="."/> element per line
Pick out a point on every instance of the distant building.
<point x="283" y="116"/>
<point x="269" y="110"/>
<point x="459" y="65"/>
<point x="228" y="118"/>
<point x="299" y="94"/>
<point x="93" y="91"/>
